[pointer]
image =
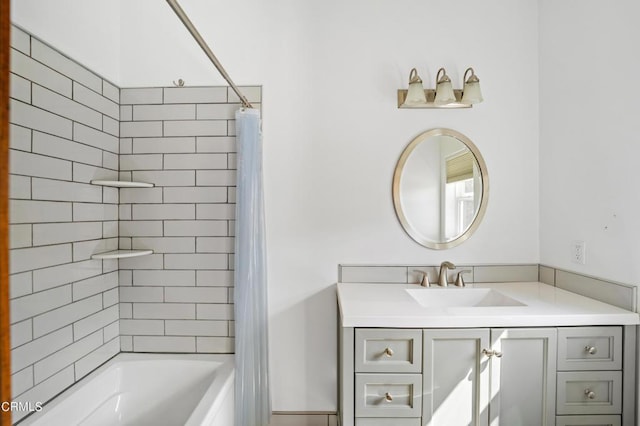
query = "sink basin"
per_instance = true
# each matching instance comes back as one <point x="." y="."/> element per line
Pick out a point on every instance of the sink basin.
<point x="461" y="297"/>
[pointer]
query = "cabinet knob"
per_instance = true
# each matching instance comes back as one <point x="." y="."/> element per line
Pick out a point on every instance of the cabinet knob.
<point x="589" y="394"/>
<point x="489" y="353"/>
<point x="591" y="350"/>
<point x="388" y="397"/>
<point x="388" y="352"/>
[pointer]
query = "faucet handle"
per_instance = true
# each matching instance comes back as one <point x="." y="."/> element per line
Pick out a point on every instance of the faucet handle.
<point x="423" y="277"/>
<point x="459" y="279"/>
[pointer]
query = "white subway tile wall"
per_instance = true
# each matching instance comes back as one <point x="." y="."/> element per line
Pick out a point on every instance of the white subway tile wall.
<point x="64" y="133"/>
<point x="69" y="126"/>
<point x="180" y="298"/>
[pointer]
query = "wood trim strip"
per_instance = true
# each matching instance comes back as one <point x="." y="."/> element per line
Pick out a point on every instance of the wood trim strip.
<point x="5" y="346"/>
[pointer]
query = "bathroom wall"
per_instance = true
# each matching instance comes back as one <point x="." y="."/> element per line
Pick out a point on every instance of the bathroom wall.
<point x="73" y="21"/>
<point x="180" y="299"/>
<point x="64" y="305"/>
<point x="589" y="136"/>
<point x="333" y="134"/>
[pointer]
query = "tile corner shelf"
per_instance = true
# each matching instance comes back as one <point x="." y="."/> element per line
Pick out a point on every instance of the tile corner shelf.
<point x="120" y="254"/>
<point x="122" y="184"/>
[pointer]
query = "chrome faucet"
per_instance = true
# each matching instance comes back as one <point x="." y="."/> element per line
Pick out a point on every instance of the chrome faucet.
<point x="444" y="266"/>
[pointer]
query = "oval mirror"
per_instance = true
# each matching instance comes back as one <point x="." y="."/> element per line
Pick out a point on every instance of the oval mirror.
<point x="440" y="188"/>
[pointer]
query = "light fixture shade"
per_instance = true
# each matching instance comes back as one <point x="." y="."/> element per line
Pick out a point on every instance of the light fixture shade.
<point x="444" y="89"/>
<point x="415" y="94"/>
<point x="471" y="93"/>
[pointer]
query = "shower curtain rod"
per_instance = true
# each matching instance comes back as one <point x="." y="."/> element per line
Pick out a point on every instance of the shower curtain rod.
<point x="203" y="44"/>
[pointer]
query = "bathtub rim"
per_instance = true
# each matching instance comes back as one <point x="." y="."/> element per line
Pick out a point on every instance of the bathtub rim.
<point x="226" y="360"/>
<point x="209" y="405"/>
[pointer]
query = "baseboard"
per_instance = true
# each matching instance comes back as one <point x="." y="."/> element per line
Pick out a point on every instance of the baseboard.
<point x="304" y="418"/>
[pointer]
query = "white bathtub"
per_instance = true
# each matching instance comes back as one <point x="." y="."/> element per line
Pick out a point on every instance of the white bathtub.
<point x="147" y="389"/>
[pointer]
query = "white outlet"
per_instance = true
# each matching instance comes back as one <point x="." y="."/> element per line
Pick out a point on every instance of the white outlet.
<point x="578" y="252"/>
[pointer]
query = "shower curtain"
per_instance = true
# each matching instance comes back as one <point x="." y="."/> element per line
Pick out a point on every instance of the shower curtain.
<point x="252" y="396"/>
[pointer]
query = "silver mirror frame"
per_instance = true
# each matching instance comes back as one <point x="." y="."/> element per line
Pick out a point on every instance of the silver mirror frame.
<point x="397" y="204"/>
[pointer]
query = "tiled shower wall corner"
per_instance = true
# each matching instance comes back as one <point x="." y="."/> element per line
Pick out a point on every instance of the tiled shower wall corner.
<point x="180" y="299"/>
<point x="64" y="306"/>
<point x="66" y="124"/>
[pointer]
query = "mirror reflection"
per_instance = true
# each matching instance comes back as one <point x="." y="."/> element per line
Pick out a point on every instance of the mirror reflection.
<point x="440" y="188"/>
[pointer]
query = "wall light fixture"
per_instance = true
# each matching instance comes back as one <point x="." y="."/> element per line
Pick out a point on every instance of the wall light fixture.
<point x="444" y="95"/>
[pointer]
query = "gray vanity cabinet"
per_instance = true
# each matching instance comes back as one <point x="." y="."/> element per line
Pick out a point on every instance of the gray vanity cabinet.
<point x="489" y="376"/>
<point x="563" y="376"/>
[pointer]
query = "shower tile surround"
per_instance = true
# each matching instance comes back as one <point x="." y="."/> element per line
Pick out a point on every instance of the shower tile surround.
<point x="181" y="139"/>
<point x="64" y="306"/>
<point x="69" y="126"/>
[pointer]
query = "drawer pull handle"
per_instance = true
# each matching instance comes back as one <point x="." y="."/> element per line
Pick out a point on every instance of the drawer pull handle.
<point x="388" y="352"/>
<point x="591" y="350"/>
<point x="489" y="353"/>
<point x="589" y="394"/>
<point x="388" y="397"/>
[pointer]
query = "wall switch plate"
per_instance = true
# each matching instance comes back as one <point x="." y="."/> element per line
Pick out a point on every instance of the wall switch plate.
<point x="578" y="252"/>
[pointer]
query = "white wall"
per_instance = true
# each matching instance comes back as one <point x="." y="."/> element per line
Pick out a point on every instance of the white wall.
<point x="589" y="134"/>
<point x="85" y="30"/>
<point x="332" y="133"/>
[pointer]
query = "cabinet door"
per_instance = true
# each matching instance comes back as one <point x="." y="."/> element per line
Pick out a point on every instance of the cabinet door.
<point x="523" y="377"/>
<point x="456" y="377"/>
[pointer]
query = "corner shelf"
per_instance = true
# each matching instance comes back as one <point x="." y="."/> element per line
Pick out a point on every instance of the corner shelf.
<point x="122" y="184"/>
<point x="120" y="254"/>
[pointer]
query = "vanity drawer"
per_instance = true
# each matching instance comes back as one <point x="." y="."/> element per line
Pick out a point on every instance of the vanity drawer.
<point x="589" y="392"/>
<point x="588" y="421"/>
<point x="388" y="395"/>
<point x="590" y="348"/>
<point x="363" y="421"/>
<point x="388" y="350"/>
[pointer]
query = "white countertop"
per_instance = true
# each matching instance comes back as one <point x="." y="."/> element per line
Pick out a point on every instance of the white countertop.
<point x="390" y="305"/>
